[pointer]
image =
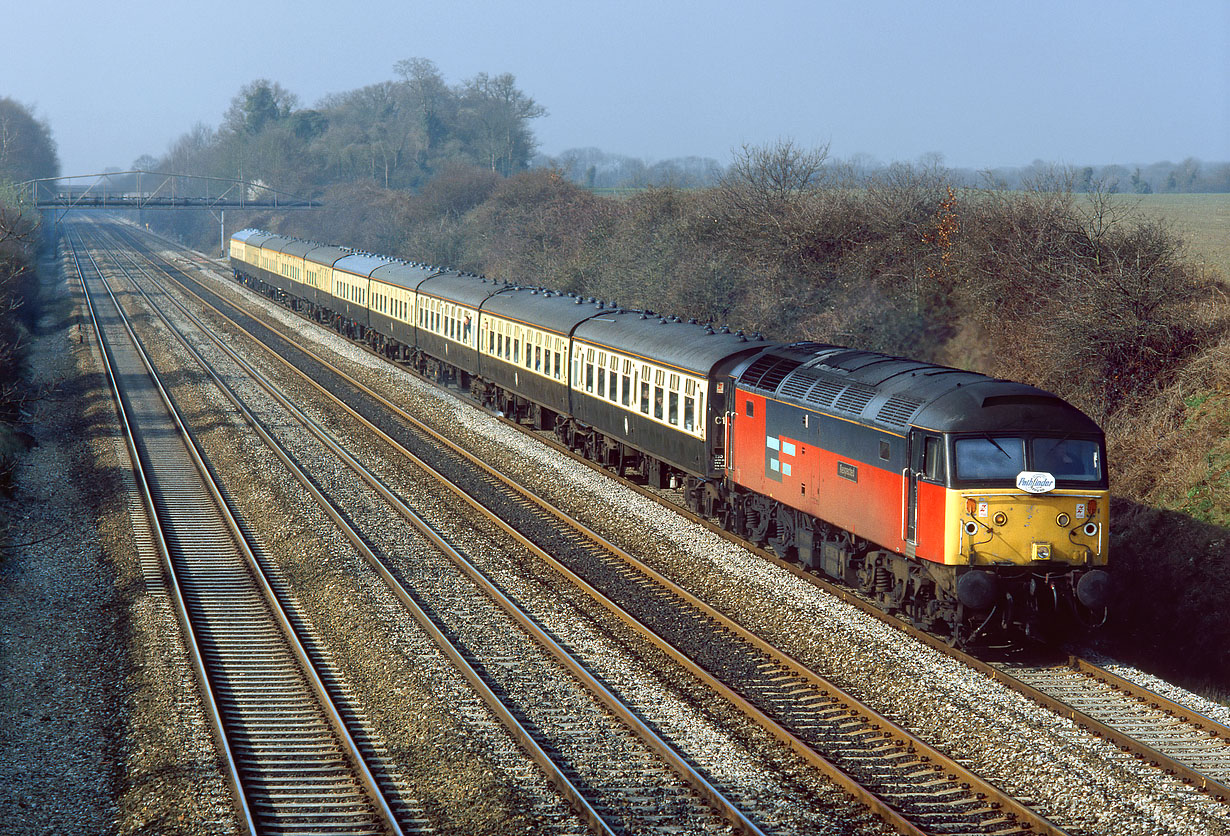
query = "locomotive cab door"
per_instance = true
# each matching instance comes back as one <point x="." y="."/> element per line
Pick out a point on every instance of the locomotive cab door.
<point x="926" y="462"/>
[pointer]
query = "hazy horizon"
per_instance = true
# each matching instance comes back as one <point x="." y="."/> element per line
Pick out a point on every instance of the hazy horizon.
<point x="982" y="85"/>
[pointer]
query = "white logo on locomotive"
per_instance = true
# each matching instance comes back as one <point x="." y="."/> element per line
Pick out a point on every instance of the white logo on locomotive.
<point x="1033" y="482"/>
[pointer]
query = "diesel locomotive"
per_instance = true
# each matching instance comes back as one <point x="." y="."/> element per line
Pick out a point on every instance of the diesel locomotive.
<point x="968" y="504"/>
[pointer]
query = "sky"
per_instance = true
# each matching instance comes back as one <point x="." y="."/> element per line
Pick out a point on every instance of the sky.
<point x="983" y="84"/>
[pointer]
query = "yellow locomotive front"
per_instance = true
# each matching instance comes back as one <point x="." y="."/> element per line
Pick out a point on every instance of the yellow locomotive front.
<point x="1028" y="521"/>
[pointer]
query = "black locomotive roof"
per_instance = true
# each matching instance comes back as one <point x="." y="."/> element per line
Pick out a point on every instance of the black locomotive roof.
<point x="894" y="393"/>
<point x="666" y="340"/>
<point x="546" y="309"/>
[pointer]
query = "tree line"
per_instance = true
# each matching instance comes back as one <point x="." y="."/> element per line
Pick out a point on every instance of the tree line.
<point x="27" y="152"/>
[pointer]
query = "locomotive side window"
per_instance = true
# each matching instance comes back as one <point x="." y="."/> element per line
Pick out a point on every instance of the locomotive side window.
<point x="933" y="459"/>
<point x="751" y="413"/>
<point x="884" y="450"/>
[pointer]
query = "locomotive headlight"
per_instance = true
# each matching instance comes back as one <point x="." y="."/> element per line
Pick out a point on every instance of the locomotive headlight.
<point x="1091" y="529"/>
<point x="1000" y="518"/>
<point x="1062" y="520"/>
<point x="971" y="528"/>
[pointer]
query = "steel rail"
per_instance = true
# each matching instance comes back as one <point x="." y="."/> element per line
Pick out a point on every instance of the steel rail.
<point x="209" y="703"/>
<point x="307" y="665"/>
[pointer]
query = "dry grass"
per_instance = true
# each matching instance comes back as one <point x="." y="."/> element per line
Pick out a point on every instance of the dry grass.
<point x="1170" y="542"/>
<point x="1202" y="219"/>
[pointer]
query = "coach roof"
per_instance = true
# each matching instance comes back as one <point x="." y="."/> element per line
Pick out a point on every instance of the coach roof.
<point x="666" y="340"/>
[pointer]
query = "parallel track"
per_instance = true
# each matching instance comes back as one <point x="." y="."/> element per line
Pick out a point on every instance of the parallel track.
<point x="291" y="762"/>
<point x="609" y="804"/>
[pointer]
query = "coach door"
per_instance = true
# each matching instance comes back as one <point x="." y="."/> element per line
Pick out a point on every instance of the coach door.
<point x="717" y="433"/>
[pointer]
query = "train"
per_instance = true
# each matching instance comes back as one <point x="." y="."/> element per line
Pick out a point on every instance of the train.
<point x="972" y="506"/>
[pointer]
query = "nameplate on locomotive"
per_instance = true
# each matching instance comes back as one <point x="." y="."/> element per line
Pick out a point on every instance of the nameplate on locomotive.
<point x="847" y="471"/>
<point x="1034" y="482"/>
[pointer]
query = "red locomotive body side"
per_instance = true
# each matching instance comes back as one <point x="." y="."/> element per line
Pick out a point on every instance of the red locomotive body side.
<point x="818" y="464"/>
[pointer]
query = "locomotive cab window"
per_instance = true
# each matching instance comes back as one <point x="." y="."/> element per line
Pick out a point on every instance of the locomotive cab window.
<point x="1067" y="458"/>
<point x="989" y="458"/>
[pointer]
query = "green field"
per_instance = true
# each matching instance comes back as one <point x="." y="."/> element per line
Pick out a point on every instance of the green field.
<point x="1202" y="219"/>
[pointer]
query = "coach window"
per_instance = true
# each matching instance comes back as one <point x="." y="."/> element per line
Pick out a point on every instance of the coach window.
<point x="645" y="396"/>
<point x="673" y="414"/>
<point x="689" y="412"/>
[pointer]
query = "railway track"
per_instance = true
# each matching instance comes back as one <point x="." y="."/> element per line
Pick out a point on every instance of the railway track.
<point x="912" y="786"/>
<point x="572" y="743"/>
<point x="290" y="757"/>
<point x="1167" y="735"/>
